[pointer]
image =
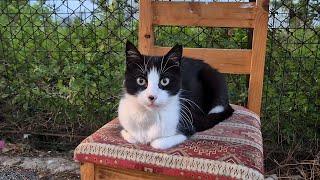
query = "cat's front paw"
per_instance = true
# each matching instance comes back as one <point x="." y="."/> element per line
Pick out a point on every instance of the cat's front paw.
<point x="126" y="136"/>
<point x="160" y="144"/>
<point x="168" y="142"/>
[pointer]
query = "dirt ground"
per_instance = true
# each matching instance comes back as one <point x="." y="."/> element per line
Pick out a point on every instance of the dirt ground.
<point x="21" y="162"/>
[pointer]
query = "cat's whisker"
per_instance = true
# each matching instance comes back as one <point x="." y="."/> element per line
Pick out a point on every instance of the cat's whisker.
<point x="140" y="68"/>
<point x="185" y="90"/>
<point x="190" y="101"/>
<point x="188" y="121"/>
<point x="161" y="64"/>
<point x="170" y="67"/>
<point x="184" y="121"/>
<point x="188" y="117"/>
<point x="181" y="91"/>
<point x="187" y="109"/>
<point x="182" y="110"/>
<point x="150" y="58"/>
<point x="168" y="60"/>
<point x="171" y="55"/>
<point x="144" y="63"/>
<point x="186" y="101"/>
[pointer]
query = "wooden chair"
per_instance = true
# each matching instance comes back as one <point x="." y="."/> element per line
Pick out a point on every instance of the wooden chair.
<point x="235" y="61"/>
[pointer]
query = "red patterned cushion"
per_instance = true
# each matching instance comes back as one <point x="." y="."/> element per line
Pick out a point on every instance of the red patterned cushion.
<point x="230" y="150"/>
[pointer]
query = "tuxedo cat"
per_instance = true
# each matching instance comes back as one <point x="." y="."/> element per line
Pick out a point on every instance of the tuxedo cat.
<point x="168" y="98"/>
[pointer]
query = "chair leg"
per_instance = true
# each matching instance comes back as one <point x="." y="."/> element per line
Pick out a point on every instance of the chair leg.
<point x="87" y="171"/>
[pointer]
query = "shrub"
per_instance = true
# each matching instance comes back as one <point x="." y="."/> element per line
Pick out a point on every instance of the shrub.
<point x="65" y="75"/>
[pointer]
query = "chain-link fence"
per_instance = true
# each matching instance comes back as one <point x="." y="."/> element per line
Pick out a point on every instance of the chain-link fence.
<point x="62" y="64"/>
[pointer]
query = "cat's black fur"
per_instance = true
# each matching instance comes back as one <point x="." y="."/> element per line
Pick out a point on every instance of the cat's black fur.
<point x="195" y="80"/>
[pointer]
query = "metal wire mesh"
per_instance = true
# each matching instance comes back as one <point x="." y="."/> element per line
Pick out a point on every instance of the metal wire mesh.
<point x="291" y="86"/>
<point x="62" y="64"/>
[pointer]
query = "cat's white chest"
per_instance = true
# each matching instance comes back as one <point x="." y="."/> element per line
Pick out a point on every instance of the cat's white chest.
<point x="146" y="126"/>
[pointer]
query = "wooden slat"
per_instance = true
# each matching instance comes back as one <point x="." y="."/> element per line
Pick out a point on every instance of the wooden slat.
<point x="258" y="61"/>
<point x="146" y="35"/>
<point x="235" y="61"/>
<point x="217" y="14"/>
<point x="87" y="171"/>
<point x="106" y="173"/>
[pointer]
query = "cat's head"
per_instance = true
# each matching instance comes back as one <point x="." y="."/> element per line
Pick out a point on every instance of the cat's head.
<point x="153" y="80"/>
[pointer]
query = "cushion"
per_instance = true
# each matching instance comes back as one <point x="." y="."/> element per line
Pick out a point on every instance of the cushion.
<point x="230" y="150"/>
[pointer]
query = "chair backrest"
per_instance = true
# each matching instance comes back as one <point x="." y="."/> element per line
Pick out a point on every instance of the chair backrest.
<point x="216" y="14"/>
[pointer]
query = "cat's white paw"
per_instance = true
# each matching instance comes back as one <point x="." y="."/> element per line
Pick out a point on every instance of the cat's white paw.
<point x="126" y="136"/>
<point x="160" y="144"/>
<point x="168" y="142"/>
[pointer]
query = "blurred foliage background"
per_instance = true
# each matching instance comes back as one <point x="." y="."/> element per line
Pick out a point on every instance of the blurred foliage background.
<point x="62" y="65"/>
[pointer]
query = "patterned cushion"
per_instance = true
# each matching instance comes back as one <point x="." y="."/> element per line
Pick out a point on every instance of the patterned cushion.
<point x="230" y="150"/>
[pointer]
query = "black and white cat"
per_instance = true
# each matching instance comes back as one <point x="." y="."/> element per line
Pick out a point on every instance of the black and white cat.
<point x="169" y="98"/>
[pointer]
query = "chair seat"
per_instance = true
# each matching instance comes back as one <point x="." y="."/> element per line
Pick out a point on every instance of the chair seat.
<point x="231" y="149"/>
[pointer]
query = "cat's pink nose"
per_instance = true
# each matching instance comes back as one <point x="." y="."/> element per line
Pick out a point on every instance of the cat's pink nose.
<point x="152" y="98"/>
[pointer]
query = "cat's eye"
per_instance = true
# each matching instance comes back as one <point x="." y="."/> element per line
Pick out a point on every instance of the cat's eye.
<point x="141" y="81"/>
<point x="164" y="81"/>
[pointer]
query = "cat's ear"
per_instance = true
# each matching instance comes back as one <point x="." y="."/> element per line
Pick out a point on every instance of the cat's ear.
<point x="132" y="53"/>
<point x="175" y="54"/>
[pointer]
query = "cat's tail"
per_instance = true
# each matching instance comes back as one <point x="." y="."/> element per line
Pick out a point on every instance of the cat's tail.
<point x="216" y="118"/>
<point x="213" y="119"/>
